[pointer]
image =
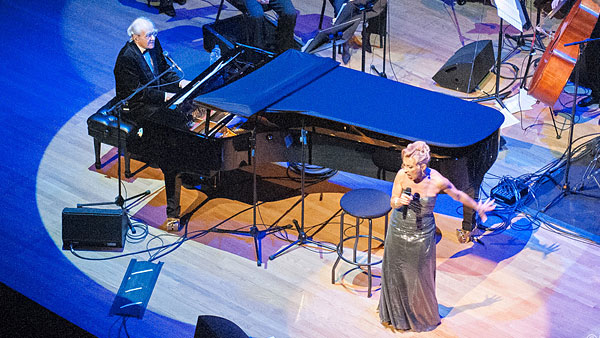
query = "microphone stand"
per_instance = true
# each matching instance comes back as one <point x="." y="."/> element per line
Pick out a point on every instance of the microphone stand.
<point x="566" y="187"/>
<point x="256" y="234"/>
<point x="385" y="36"/>
<point x="118" y="107"/>
<point x="303" y="238"/>
<point x="364" y="8"/>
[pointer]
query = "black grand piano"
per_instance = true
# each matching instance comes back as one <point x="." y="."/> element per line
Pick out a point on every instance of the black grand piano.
<point x="250" y="108"/>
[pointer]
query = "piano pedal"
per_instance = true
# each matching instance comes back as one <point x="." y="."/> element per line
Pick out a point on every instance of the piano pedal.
<point x="464" y="236"/>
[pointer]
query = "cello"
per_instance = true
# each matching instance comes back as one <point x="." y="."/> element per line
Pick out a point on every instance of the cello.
<point x="558" y="61"/>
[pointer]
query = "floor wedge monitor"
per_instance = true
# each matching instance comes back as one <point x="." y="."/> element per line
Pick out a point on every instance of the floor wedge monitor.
<point x="467" y="67"/>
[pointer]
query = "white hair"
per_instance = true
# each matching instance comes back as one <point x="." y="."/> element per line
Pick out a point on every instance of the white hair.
<point x="141" y="24"/>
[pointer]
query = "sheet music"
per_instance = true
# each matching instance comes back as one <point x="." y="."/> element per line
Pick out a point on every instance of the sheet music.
<point x="511" y="12"/>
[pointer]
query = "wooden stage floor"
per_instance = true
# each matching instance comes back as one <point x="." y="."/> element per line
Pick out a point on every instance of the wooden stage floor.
<point x="58" y="56"/>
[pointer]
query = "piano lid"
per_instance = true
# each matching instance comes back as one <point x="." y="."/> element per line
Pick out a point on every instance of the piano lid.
<point x="262" y="88"/>
<point x="316" y="86"/>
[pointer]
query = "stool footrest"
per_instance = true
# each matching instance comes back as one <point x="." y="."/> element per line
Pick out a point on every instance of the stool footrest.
<point x="349" y="261"/>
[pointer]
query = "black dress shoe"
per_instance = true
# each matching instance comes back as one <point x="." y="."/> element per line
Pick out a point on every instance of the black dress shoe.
<point x="588" y="101"/>
<point x="181" y="2"/>
<point x="168" y="10"/>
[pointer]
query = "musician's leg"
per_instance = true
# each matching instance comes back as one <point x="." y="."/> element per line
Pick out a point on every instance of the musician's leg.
<point x="285" y="24"/>
<point x="173" y="192"/>
<point x="255" y="23"/>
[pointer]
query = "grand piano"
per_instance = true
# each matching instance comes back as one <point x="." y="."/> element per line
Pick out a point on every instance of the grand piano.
<point x="251" y="107"/>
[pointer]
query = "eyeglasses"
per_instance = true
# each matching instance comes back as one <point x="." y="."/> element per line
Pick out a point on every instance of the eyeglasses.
<point x="152" y="34"/>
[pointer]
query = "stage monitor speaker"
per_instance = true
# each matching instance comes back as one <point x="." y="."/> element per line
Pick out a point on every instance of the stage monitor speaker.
<point x="217" y="327"/>
<point x="467" y="67"/>
<point x="94" y="228"/>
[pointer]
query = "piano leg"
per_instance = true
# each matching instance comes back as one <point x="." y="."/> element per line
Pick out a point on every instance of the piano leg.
<point x="469" y="221"/>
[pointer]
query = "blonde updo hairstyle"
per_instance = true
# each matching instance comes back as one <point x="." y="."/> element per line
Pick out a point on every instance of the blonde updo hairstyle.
<point x="418" y="150"/>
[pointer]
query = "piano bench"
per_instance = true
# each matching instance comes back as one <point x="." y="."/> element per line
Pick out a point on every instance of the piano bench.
<point x="103" y="128"/>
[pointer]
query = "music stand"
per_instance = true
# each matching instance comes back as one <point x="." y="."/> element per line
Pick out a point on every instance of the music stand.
<point x="331" y="37"/>
<point x="538" y="40"/>
<point x="520" y="39"/>
<point x="511" y="11"/>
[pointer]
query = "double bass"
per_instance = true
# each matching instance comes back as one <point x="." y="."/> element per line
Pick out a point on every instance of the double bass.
<point x="558" y="61"/>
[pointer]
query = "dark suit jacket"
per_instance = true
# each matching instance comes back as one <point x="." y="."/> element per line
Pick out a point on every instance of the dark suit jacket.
<point x="132" y="71"/>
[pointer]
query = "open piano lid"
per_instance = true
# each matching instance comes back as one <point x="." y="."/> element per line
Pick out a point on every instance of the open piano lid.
<point x="316" y="86"/>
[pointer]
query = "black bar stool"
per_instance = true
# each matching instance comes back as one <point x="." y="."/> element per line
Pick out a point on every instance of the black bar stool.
<point x="362" y="204"/>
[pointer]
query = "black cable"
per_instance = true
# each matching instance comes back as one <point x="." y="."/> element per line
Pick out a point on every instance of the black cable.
<point x="125" y="327"/>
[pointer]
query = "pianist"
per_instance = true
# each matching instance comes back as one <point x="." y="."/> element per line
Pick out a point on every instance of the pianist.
<point x="140" y="61"/>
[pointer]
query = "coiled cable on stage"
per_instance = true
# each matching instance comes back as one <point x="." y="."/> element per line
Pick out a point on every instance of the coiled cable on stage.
<point x="313" y="173"/>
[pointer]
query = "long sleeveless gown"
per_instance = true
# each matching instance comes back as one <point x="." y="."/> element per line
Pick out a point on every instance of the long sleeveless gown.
<point x="408" y="299"/>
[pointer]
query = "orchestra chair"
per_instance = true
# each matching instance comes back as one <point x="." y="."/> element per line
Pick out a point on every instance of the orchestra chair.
<point x="240" y="6"/>
<point x="363" y="204"/>
<point x="103" y="127"/>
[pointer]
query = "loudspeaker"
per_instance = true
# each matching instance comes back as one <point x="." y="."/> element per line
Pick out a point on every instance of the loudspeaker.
<point x="217" y="327"/>
<point x="94" y="228"/>
<point x="467" y="67"/>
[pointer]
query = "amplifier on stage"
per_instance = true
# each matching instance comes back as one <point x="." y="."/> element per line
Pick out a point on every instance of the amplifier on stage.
<point x="94" y="228"/>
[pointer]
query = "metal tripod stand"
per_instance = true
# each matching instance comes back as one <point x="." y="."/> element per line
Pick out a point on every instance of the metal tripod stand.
<point x="303" y="238"/>
<point x="566" y="187"/>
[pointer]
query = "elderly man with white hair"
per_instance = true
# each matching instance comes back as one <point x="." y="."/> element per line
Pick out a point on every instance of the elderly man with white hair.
<point x="140" y="61"/>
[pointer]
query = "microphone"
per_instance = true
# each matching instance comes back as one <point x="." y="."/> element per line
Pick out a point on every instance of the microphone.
<point x="166" y="54"/>
<point x="405" y="207"/>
